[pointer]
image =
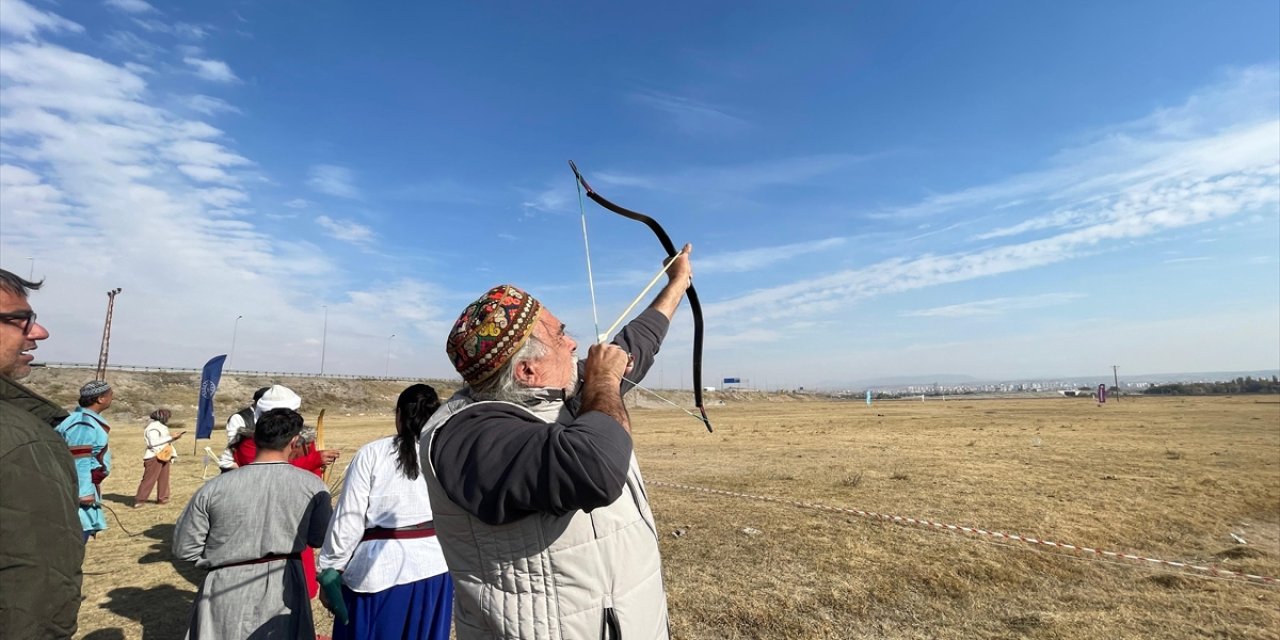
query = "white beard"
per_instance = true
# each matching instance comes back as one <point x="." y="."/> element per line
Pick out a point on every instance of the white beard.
<point x="572" y="389"/>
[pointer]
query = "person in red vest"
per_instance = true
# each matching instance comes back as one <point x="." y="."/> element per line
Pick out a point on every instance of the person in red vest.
<point x="309" y="459"/>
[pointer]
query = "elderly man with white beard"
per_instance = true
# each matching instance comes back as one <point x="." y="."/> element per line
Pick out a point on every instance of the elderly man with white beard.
<point x="537" y="497"/>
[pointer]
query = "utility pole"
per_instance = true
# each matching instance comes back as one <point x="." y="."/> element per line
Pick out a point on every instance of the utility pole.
<point x="1115" y="373"/>
<point x="387" y="373"/>
<point x="106" y="335"/>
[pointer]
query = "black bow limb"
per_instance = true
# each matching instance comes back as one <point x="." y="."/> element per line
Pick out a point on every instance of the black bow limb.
<point x="691" y="293"/>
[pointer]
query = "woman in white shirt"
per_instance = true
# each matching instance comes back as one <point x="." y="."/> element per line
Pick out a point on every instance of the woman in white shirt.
<point x="395" y="583"/>
<point x="156" y="458"/>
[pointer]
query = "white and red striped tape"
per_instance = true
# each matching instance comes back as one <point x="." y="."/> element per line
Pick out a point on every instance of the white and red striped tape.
<point x="1099" y="553"/>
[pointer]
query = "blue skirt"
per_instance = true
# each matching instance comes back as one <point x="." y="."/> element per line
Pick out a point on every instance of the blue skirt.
<point x="416" y="611"/>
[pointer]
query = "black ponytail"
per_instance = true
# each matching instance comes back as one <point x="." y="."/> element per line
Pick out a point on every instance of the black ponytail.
<point x="413" y="408"/>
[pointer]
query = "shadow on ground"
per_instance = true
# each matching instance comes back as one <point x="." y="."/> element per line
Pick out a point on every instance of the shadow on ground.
<point x="161" y="610"/>
<point x="118" y="498"/>
<point x="105" y="634"/>
<point x="162" y="551"/>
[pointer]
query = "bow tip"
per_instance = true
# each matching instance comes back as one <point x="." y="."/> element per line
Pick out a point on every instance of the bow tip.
<point x="578" y="174"/>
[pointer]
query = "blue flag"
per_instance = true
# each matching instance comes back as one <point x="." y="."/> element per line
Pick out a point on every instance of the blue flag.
<point x="209" y="379"/>
<point x="868" y="397"/>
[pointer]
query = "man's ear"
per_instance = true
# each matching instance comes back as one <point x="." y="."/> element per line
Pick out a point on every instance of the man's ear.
<point x="525" y="372"/>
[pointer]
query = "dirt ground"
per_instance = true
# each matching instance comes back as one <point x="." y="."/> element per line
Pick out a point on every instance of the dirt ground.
<point x="1170" y="478"/>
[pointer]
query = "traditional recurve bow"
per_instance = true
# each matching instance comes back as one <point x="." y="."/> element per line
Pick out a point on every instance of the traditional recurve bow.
<point x="319" y="444"/>
<point x="694" y="306"/>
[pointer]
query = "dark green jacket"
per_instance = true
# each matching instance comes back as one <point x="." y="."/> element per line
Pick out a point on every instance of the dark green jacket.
<point x="41" y="545"/>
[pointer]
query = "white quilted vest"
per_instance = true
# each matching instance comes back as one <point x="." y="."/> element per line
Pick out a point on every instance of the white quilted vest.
<point x="571" y="577"/>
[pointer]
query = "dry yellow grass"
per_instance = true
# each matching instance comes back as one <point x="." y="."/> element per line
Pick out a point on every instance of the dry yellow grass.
<point x="1170" y="478"/>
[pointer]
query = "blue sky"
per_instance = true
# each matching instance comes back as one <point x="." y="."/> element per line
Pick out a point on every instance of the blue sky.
<point x="872" y="190"/>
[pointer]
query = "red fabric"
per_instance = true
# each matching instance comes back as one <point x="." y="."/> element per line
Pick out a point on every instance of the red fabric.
<point x="244" y="452"/>
<point x="309" y="570"/>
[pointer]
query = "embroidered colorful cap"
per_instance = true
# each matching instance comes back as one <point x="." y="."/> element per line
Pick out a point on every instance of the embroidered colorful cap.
<point x="94" y="389"/>
<point x="490" y="330"/>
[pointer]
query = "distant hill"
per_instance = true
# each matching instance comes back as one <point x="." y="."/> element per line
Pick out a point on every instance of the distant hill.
<point x="898" y="382"/>
<point x="137" y="393"/>
<point x="140" y="392"/>
<point x="904" y="381"/>
<point x="1204" y="376"/>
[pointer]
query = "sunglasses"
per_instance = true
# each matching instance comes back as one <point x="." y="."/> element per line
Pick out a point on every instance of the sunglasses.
<point x="26" y="320"/>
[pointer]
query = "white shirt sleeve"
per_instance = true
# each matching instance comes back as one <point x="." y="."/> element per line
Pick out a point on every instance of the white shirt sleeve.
<point x="156" y="435"/>
<point x="348" y="523"/>
<point x="234" y="424"/>
<point x="227" y="460"/>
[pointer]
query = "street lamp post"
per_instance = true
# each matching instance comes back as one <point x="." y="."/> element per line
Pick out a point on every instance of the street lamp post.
<point x="324" y="338"/>
<point x="235" y="329"/>
<point x="387" y="374"/>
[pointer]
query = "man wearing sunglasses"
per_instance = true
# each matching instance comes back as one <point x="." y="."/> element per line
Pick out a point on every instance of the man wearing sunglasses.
<point x="40" y="535"/>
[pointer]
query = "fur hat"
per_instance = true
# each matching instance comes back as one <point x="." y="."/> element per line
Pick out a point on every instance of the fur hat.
<point x="490" y="330"/>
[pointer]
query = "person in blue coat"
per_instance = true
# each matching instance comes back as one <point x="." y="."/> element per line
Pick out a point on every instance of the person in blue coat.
<point x="86" y="433"/>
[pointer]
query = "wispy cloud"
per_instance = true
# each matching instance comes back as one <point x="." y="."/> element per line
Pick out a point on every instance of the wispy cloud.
<point x="17" y="18"/>
<point x="97" y="164"/>
<point x="209" y="105"/>
<point x="212" y="70"/>
<point x="709" y="183"/>
<point x="1180" y="169"/>
<point x="690" y="116"/>
<point x="184" y="30"/>
<point x="134" y="45"/>
<point x="1211" y="121"/>
<point x="347" y="231"/>
<point x="762" y="257"/>
<point x="996" y="306"/>
<point x="735" y="178"/>
<point x="333" y="180"/>
<point x="551" y="200"/>
<point x="130" y="6"/>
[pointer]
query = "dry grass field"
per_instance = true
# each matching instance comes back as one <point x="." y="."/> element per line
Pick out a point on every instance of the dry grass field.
<point x="1170" y="478"/>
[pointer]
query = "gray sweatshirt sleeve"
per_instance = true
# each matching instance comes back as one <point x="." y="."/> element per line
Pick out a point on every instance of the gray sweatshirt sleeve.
<point x="501" y="464"/>
<point x="192" y="529"/>
<point x="642" y="337"/>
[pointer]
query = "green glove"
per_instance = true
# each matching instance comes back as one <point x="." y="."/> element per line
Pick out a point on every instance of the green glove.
<point x="331" y="590"/>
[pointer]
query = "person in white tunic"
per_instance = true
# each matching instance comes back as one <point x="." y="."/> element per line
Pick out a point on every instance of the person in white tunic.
<point x="248" y="529"/>
<point x="157" y="457"/>
<point x="395" y="583"/>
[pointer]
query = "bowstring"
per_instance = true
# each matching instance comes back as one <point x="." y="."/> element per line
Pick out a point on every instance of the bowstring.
<point x="595" y="317"/>
<point x="591" y="283"/>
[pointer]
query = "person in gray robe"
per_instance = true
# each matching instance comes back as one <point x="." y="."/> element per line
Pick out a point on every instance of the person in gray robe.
<point x="248" y="529"/>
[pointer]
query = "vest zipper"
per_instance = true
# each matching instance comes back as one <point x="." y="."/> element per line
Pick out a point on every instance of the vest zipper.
<point x="610" y="628"/>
